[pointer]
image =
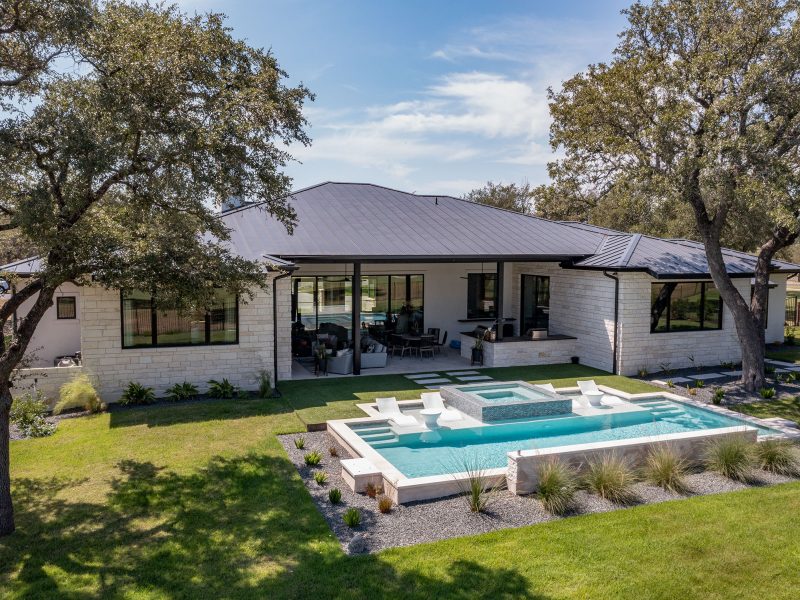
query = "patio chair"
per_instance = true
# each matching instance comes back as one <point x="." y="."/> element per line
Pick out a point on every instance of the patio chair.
<point x="434" y="400"/>
<point x="426" y="344"/>
<point x="388" y="408"/>
<point x="439" y="345"/>
<point x="591" y="393"/>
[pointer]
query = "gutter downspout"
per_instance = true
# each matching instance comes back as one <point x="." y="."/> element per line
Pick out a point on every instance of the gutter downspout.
<point x="275" y="392"/>
<point x="616" y="317"/>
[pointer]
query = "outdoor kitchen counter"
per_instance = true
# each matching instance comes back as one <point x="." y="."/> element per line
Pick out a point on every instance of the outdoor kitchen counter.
<point x="518" y="351"/>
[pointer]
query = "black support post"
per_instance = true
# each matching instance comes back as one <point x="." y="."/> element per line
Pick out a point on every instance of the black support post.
<point x="356" y="318"/>
<point x="498" y="294"/>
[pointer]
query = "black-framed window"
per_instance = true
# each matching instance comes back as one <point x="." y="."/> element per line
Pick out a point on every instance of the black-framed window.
<point x="66" y="307"/>
<point x="685" y="306"/>
<point x="481" y="295"/>
<point x="535" y="302"/>
<point x="144" y="326"/>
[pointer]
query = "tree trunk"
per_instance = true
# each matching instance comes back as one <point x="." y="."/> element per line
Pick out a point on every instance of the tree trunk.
<point x="6" y="507"/>
<point x="752" y="344"/>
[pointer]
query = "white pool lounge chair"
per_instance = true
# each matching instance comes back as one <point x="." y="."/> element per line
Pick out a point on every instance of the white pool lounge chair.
<point x="545" y="386"/>
<point x="388" y="407"/>
<point x="591" y="392"/>
<point x="433" y="400"/>
<point x="588" y="386"/>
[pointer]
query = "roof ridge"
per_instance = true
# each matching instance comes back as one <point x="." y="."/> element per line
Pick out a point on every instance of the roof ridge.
<point x="626" y="257"/>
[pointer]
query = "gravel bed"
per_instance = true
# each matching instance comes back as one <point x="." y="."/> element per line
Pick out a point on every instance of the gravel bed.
<point x="445" y="518"/>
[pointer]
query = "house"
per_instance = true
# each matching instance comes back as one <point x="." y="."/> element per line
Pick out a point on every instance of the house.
<point x="550" y="290"/>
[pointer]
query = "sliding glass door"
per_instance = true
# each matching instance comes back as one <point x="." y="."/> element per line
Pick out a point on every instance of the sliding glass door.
<point x="535" y="303"/>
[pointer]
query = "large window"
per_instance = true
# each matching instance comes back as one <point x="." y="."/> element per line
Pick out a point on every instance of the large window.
<point x="144" y="326"/>
<point x="689" y="306"/>
<point x="535" y="305"/>
<point x="394" y="301"/>
<point x="481" y="295"/>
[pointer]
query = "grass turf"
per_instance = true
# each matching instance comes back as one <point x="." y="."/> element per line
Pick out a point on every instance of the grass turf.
<point x="786" y="354"/>
<point x="787" y="408"/>
<point x="199" y="501"/>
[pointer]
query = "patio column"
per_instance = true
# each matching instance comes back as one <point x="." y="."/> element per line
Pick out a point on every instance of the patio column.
<point x="498" y="299"/>
<point x="356" y="318"/>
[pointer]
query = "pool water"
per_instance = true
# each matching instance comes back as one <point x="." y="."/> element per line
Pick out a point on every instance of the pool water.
<point x="446" y="451"/>
<point x="504" y="392"/>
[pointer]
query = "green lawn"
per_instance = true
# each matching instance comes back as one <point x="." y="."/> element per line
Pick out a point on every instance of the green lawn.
<point x="787" y="354"/>
<point x="787" y="408"/>
<point x="200" y="501"/>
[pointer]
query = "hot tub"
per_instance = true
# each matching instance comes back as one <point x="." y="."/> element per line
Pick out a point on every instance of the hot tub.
<point x="494" y="401"/>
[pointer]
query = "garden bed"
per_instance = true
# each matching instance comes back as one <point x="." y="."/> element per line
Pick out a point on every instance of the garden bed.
<point x="445" y="518"/>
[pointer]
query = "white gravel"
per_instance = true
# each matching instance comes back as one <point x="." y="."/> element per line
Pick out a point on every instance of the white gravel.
<point x="445" y="518"/>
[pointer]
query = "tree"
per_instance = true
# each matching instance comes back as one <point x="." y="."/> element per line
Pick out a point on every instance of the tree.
<point x="698" y="111"/>
<point x="115" y="170"/>
<point x="509" y="196"/>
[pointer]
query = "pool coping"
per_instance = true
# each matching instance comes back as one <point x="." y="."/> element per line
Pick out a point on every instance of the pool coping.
<point x="402" y="489"/>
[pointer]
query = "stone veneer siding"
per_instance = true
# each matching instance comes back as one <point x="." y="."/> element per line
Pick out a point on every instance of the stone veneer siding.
<point x="521" y="353"/>
<point x="46" y="380"/>
<point x="113" y="367"/>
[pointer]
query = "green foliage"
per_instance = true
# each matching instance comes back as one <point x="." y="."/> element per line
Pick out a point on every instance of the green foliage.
<point x="28" y="414"/>
<point x="478" y="488"/>
<point x="264" y="384"/>
<point x="78" y="392"/>
<point x="791" y="377"/>
<point x="335" y="495"/>
<point x="732" y="457"/>
<point x="558" y="483"/>
<point x="321" y="477"/>
<point x="611" y="477"/>
<point x="508" y="196"/>
<point x="670" y="383"/>
<point x="718" y="396"/>
<point x="313" y="458"/>
<point x="767" y="393"/>
<point x="182" y="391"/>
<point x="222" y="389"/>
<point x="385" y="504"/>
<point x="352" y="517"/>
<point x="666" y="468"/>
<point x="778" y="456"/>
<point x="299" y="442"/>
<point x="769" y="370"/>
<point x="136" y="393"/>
<point x="642" y="372"/>
<point x="699" y="384"/>
<point x="372" y="490"/>
<point x="333" y="451"/>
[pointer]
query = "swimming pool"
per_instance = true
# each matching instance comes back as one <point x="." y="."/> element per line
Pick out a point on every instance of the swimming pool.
<point x="488" y="402"/>
<point x="446" y="451"/>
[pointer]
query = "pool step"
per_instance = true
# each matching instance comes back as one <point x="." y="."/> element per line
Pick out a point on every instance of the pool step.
<point x="378" y="437"/>
<point x="381" y="443"/>
<point x="372" y="429"/>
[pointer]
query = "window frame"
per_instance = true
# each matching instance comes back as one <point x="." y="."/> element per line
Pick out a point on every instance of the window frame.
<point x="701" y="312"/>
<point x="74" y="308"/>
<point x="154" y="328"/>
<point x="483" y="275"/>
<point x="537" y="280"/>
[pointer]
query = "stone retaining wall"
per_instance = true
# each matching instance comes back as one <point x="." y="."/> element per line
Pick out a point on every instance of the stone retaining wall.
<point x="47" y="380"/>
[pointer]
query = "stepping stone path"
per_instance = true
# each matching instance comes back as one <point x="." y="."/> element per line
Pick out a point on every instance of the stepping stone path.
<point x="732" y="373"/>
<point x="459" y="373"/>
<point x="475" y="378"/>
<point x="432" y="380"/>
<point x="674" y="380"/>
<point x="780" y="363"/>
<point x="435" y="386"/>
<point x="706" y="376"/>
<point x="422" y="375"/>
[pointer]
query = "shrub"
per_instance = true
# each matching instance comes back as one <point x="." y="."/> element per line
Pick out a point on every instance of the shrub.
<point x="264" y="384"/>
<point x="182" y="391"/>
<point x="767" y="393"/>
<point x="29" y="414"/>
<point x="335" y="495"/>
<point x="223" y="390"/>
<point x="791" y="377"/>
<point x="136" y="393"/>
<point x="691" y="391"/>
<point x="372" y="490"/>
<point x="778" y="456"/>
<point x="385" y="504"/>
<point x="731" y="457"/>
<point x="321" y="477"/>
<point x="557" y="486"/>
<point x="300" y="442"/>
<point x="479" y="489"/>
<point x="642" y="372"/>
<point x="333" y="451"/>
<point x="312" y="459"/>
<point x="727" y="365"/>
<point x="78" y="392"/>
<point x="352" y="517"/>
<point x="789" y="339"/>
<point x="718" y="395"/>
<point x="769" y="369"/>
<point x="611" y="478"/>
<point x="665" y="468"/>
<point x="670" y="383"/>
<point x="699" y="384"/>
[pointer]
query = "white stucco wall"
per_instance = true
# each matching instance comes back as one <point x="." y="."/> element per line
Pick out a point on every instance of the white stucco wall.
<point x="776" y="313"/>
<point x="113" y="367"/>
<point x="54" y="337"/>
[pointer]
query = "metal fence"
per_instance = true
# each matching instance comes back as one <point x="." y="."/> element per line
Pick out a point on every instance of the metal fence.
<point x="792" y="317"/>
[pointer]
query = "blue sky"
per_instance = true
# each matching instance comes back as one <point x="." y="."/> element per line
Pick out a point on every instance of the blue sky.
<point x="432" y="97"/>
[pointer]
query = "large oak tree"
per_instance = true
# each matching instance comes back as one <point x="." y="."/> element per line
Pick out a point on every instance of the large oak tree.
<point x="125" y="125"/>
<point x="698" y="112"/>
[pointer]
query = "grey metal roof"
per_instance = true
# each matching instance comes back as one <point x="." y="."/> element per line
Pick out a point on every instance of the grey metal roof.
<point x="339" y="221"/>
<point x="24" y="267"/>
<point x="664" y="258"/>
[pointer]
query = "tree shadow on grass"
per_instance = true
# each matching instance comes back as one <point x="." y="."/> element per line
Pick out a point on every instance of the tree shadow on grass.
<point x="240" y="527"/>
<point x="167" y="413"/>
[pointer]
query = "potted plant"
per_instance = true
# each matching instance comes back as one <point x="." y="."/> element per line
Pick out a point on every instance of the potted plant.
<point x="477" y="350"/>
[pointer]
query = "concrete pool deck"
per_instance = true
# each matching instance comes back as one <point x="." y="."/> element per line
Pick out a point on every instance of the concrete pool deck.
<point x="403" y="489"/>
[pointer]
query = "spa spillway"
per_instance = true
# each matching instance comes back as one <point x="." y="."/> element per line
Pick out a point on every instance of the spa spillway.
<point x="490" y="402"/>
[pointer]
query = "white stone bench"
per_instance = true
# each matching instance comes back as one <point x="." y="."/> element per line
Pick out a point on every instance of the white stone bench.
<point x="359" y="472"/>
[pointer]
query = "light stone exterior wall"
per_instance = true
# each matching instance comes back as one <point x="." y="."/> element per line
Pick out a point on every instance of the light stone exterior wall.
<point x="517" y="354"/>
<point x="640" y="349"/>
<point x="113" y="367"/>
<point x="581" y="305"/>
<point x="46" y="380"/>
